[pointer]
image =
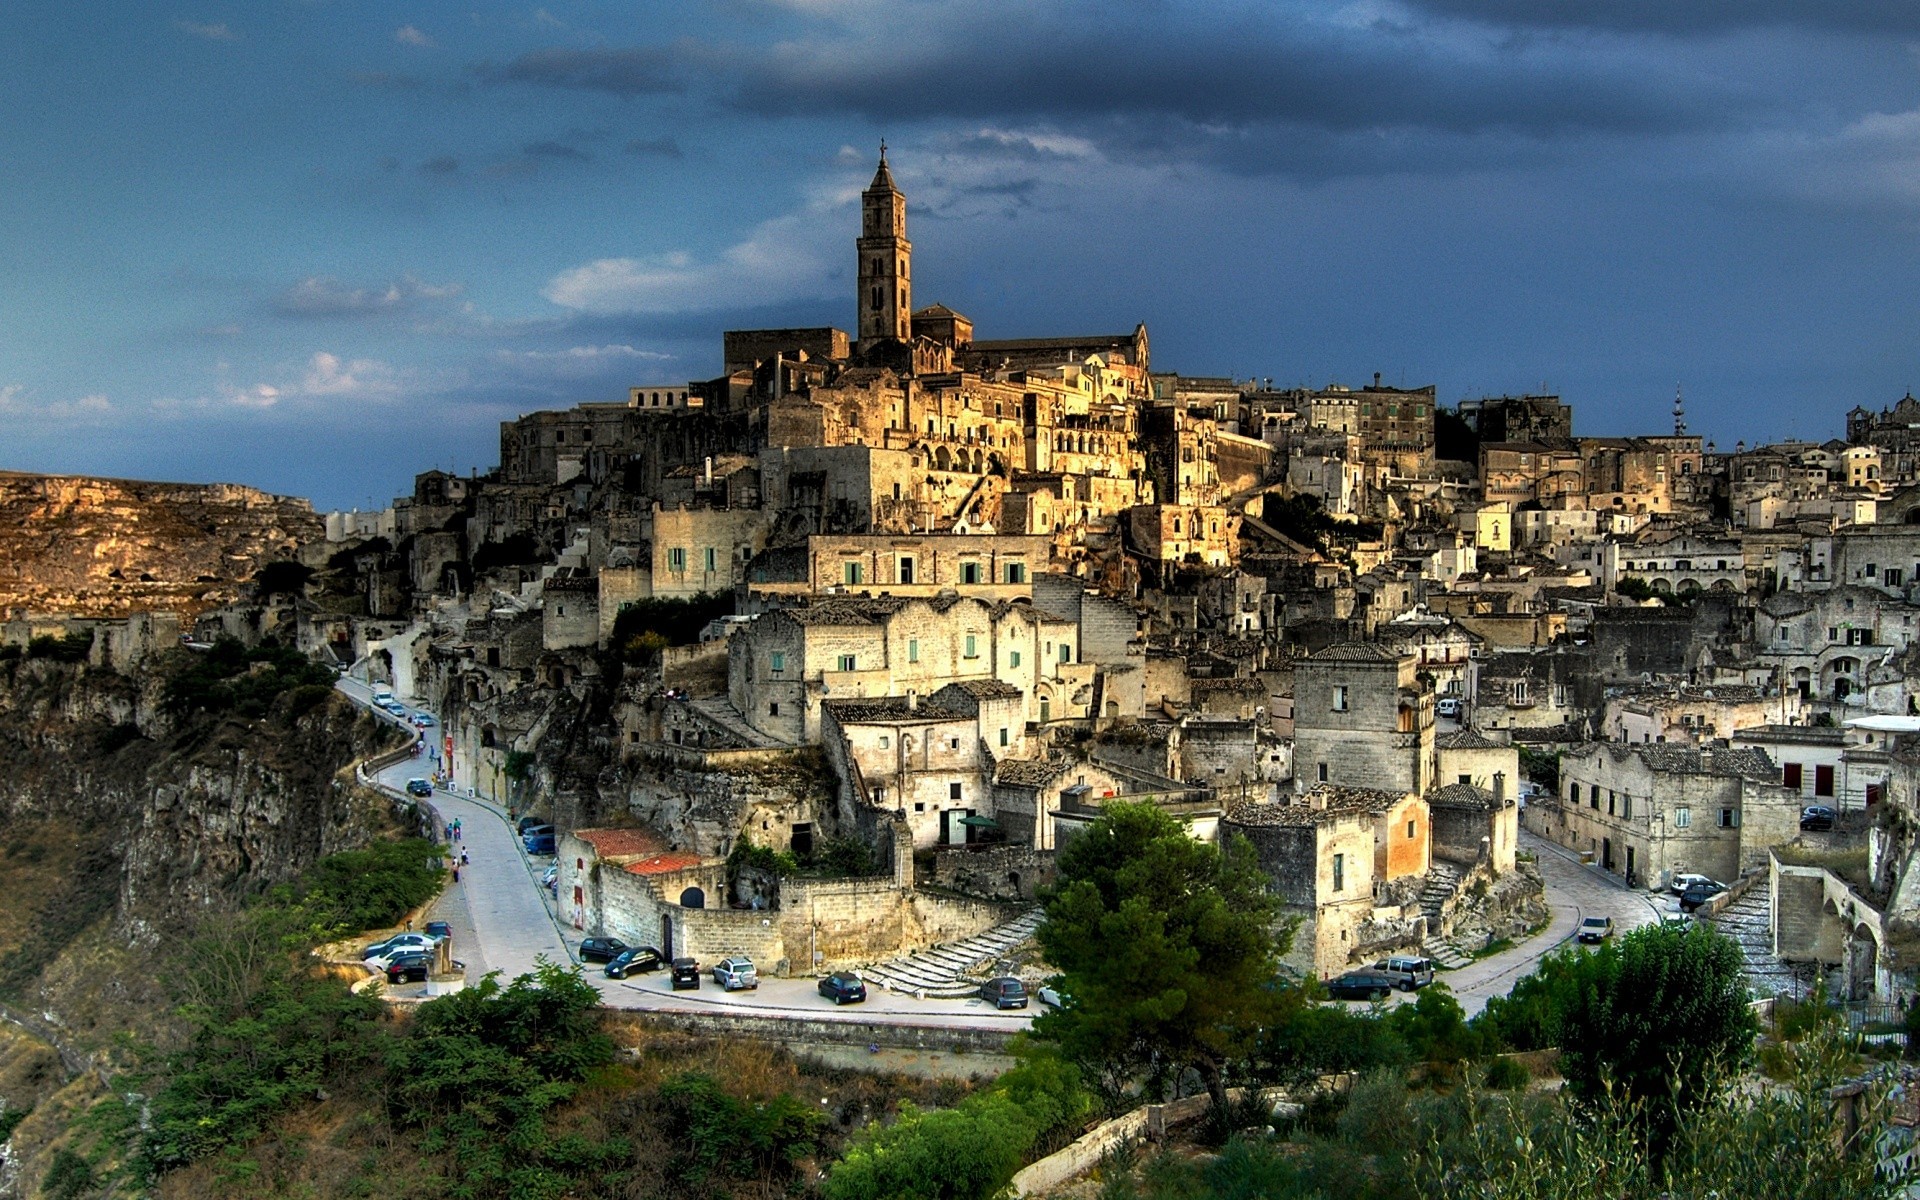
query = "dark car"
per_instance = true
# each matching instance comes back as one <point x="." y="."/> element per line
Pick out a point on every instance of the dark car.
<point x="1362" y="985"/>
<point x="528" y="823"/>
<point x="601" y="949"/>
<point x="1817" y="817"/>
<point x="634" y="958"/>
<point x="539" y="843"/>
<point x="419" y="787"/>
<point x="1699" y="894"/>
<point x="438" y="930"/>
<point x="1004" y="992"/>
<point x="410" y="968"/>
<point x="843" y="987"/>
<point x="686" y="974"/>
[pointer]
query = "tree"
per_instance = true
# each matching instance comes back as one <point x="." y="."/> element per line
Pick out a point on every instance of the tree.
<point x="1166" y="946"/>
<point x="1634" y="588"/>
<point x="1654" y="1017"/>
<point x="283" y="577"/>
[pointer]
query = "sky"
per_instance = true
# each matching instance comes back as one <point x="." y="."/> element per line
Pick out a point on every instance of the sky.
<point x="318" y="246"/>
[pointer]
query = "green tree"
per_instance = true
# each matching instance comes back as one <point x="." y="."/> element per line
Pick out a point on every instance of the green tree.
<point x="1634" y="588"/>
<point x="1167" y="947"/>
<point x="283" y="577"/>
<point x="1655" y="1016"/>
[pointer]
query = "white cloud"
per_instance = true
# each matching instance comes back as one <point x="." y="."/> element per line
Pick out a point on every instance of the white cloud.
<point x="360" y="378"/>
<point x="784" y="259"/>
<point x="325" y="296"/>
<point x="577" y="362"/>
<point x="214" y="33"/>
<point x="18" y="403"/>
<point x="408" y="35"/>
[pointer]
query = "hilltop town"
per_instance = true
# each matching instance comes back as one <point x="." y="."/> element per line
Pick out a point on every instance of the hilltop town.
<point x="920" y="603"/>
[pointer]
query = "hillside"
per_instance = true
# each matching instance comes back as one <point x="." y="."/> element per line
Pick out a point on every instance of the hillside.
<point x="87" y="546"/>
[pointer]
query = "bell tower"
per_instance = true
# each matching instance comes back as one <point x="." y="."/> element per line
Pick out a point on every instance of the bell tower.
<point x="886" y="280"/>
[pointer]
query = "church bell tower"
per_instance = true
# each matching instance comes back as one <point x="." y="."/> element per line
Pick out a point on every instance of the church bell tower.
<point x="886" y="280"/>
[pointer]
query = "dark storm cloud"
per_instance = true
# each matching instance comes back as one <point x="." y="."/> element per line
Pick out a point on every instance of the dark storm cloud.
<point x="1687" y="17"/>
<point x="638" y="71"/>
<point x="1214" y="78"/>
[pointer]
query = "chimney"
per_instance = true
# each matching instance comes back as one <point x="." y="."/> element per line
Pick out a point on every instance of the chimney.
<point x="1499" y="789"/>
<point x="1376" y="381"/>
<point x="913" y="700"/>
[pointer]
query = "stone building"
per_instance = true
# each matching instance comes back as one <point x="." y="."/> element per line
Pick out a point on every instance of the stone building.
<point x="1519" y="418"/>
<point x="991" y="566"/>
<point x="1362" y="718"/>
<point x="1649" y="812"/>
<point x="1334" y="855"/>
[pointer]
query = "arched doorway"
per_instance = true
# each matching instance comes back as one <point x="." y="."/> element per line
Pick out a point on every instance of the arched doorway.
<point x="693" y="897"/>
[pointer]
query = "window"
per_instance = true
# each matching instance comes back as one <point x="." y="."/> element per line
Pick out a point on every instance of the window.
<point x="886" y="743"/>
<point x="1323" y="772"/>
<point x="972" y="648"/>
<point x="953" y="791"/>
<point x="1013" y="658"/>
<point x="846" y="662"/>
<point x="1016" y="572"/>
<point x="913" y="650"/>
<point x="852" y="571"/>
<point x="1626" y="807"/>
<point x="1066" y="652"/>
<point x="1593" y="796"/>
<point x="1682" y="817"/>
<point x="713" y="559"/>
<point x="1790" y="775"/>
<point x="1823" y="781"/>
<point x="969" y="572"/>
<point x="773" y="709"/>
<point x="777" y="660"/>
<point x="1340" y="697"/>
<point x="677" y="559"/>
<point x="1339" y="872"/>
<point x="1410" y="828"/>
<point x="1003" y="735"/>
<point x="906" y="564"/>
<point x="1729" y="818"/>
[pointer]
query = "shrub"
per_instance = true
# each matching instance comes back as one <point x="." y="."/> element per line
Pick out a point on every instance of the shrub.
<point x="1507" y="1074"/>
<point x="282" y="578"/>
<point x="717" y="1132"/>
<point x="72" y="648"/>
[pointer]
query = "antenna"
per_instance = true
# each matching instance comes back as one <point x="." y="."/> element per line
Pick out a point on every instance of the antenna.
<point x="1679" y="412"/>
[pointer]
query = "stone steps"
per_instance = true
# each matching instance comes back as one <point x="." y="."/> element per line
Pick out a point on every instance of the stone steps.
<point x="1748" y="922"/>
<point x="1443" y="880"/>
<point x="719" y="712"/>
<point x="1445" y="953"/>
<point x="953" y="970"/>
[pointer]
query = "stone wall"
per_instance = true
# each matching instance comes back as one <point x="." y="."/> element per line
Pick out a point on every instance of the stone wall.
<point x="1005" y="873"/>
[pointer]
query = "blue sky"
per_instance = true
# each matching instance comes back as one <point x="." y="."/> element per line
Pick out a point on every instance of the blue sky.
<point x="317" y="246"/>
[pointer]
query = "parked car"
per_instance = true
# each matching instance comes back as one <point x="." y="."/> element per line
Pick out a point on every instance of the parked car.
<point x="439" y="931"/>
<point x="601" y="949"/>
<point x="1365" y="984"/>
<point x="686" y="974"/>
<point x="1699" y="894"/>
<point x="843" y="987"/>
<point x="637" y="958"/>
<point x="1052" y="997"/>
<point x="1682" y="882"/>
<point x="1447" y="707"/>
<point x="1408" y="970"/>
<point x="410" y="968"/>
<point x="527" y="825"/>
<point x="419" y="787"/>
<point x="387" y="957"/>
<point x="539" y="843"/>
<point x="1596" y="929"/>
<point x="1004" y="992"/>
<point x="736" y="972"/>
<point x="551" y="875"/>
<point x="415" y="941"/>
<point x="1817" y="817"/>
<point x="424" y="720"/>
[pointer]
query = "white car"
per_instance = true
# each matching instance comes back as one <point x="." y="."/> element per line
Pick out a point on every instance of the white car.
<point x="400" y="942"/>
<point x="1682" y="882"/>
<point x="1448" y="707"/>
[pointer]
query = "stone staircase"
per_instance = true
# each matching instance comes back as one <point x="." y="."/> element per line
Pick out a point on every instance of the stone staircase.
<point x="956" y="969"/>
<point x="719" y="712"/>
<point x="1445" y="953"/>
<point x="1443" y="880"/>
<point x="1746" y="922"/>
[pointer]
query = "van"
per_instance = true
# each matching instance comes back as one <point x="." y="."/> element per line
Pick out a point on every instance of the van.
<point x="382" y="697"/>
<point x="538" y="843"/>
<point x="1407" y="971"/>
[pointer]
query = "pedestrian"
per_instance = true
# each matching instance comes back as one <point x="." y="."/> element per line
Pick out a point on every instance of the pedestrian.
<point x="463" y="858"/>
<point x="456" y="873"/>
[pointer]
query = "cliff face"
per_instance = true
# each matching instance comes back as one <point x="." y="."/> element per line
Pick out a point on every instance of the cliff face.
<point x="106" y="547"/>
<point x="121" y="819"/>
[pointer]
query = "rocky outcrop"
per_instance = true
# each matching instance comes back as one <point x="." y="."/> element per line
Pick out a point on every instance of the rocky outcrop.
<point x="83" y="546"/>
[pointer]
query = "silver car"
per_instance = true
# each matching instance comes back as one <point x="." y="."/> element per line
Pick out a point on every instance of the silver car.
<point x="1408" y="971"/>
<point x="735" y="973"/>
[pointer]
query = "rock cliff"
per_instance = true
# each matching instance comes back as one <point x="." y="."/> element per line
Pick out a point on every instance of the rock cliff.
<point x="83" y="546"/>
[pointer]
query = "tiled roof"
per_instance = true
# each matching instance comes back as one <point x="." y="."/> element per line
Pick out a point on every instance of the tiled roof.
<point x="1355" y="652"/>
<point x="1466" y="739"/>
<point x="890" y="710"/>
<point x="621" y="843"/>
<point x="1464" y="797"/>
<point x="986" y="689"/>
<point x="1028" y="772"/>
<point x="664" y="864"/>
<point x="1318" y="804"/>
<point x="1673" y="759"/>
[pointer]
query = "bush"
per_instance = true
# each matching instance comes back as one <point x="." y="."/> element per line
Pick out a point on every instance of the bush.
<point x="371" y="888"/>
<point x="282" y="578"/>
<point x="229" y="677"/>
<point x="716" y="1132"/>
<point x="72" y="648"/>
<point x="1507" y="1074"/>
<point x="844" y="856"/>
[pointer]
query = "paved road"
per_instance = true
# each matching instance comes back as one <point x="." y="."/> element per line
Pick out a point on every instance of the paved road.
<point x="513" y="924"/>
